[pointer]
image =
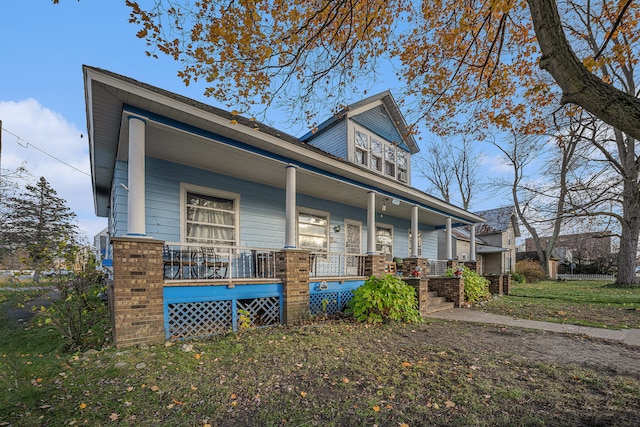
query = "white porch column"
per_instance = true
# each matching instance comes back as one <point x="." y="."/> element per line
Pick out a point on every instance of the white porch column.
<point x="449" y="250"/>
<point x="371" y="223"/>
<point x="414" y="231"/>
<point x="290" y="208"/>
<point x="472" y="243"/>
<point x="136" y="177"/>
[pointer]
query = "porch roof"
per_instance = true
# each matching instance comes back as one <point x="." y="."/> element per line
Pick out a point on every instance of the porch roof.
<point x="188" y="132"/>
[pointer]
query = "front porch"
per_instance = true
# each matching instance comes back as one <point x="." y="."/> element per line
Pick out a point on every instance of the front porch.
<point x="239" y="287"/>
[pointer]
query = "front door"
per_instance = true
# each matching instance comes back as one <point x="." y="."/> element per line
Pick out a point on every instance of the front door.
<point x="353" y="247"/>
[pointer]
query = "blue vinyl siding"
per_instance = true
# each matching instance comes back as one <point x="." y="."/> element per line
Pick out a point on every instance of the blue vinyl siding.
<point x="261" y="221"/>
<point x="378" y="121"/>
<point x="333" y="140"/>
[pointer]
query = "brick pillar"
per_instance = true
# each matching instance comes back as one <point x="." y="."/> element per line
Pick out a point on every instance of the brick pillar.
<point x="136" y="298"/>
<point x="495" y="283"/>
<point x="453" y="264"/>
<point x="374" y="265"/>
<point x="421" y="285"/>
<point x="408" y="264"/>
<point x="292" y="267"/>
<point x="471" y="265"/>
<point x="452" y="288"/>
<point x="506" y="284"/>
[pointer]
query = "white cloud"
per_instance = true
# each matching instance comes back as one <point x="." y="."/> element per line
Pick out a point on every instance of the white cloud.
<point x="496" y="164"/>
<point x="41" y="137"/>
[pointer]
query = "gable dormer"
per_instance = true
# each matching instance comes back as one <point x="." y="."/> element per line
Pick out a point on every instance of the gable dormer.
<point x="372" y="134"/>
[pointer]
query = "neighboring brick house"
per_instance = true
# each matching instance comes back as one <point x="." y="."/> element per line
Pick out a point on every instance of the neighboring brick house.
<point x="580" y="249"/>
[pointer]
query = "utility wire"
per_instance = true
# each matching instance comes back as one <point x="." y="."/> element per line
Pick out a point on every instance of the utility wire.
<point x="26" y="144"/>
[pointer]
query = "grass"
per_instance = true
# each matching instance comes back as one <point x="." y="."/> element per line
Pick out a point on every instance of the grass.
<point x="317" y="374"/>
<point x="597" y="304"/>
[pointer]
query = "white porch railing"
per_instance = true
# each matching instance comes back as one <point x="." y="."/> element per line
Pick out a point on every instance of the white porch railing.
<point x="437" y="267"/>
<point x="190" y="261"/>
<point x="336" y="264"/>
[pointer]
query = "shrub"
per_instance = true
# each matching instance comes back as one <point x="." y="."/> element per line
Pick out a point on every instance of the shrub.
<point x="382" y="299"/>
<point x="79" y="315"/>
<point x="531" y="270"/>
<point x="476" y="287"/>
<point x="518" y="277"/>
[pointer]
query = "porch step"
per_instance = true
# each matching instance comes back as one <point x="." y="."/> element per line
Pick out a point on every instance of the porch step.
<point x="437" y="303"/>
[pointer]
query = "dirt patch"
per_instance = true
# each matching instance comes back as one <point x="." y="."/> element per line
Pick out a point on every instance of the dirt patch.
<point x="599" y="355"/>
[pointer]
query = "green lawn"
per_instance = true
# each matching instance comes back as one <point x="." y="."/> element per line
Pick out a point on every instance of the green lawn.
<point x="598" y="304"/>
<point x="331" y="373"/>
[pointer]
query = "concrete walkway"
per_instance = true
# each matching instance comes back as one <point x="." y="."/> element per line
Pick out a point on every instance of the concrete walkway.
<point x="626" y="336"/>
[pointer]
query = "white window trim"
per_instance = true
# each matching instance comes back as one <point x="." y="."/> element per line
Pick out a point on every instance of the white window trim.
<point x="185" y="187"/>
<point x="351" y="153"/>
<point x="316" y="212"/>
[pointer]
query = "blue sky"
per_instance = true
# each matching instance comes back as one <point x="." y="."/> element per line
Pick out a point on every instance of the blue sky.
<point x="42" y="95"/>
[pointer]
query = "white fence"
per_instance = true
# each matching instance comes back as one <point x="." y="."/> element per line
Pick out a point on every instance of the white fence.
<point x="587" y="277"/>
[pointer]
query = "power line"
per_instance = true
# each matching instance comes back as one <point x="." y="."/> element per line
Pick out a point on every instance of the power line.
<point x="26" y="144"/>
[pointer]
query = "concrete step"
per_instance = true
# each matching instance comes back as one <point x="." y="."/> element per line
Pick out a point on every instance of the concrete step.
<point x="432" y="308"/>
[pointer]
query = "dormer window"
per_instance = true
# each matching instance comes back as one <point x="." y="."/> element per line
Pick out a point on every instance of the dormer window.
<point x="379" y="155"/>
<point x="376" y="155"/>
<point x="402" y="166"/>
<point x="362" y="148"/>
<point x="389" y="161"/>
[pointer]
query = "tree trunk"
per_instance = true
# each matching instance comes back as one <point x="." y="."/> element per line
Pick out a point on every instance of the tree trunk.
<point x="630" y="229"/>
<point x="579" y="86"/>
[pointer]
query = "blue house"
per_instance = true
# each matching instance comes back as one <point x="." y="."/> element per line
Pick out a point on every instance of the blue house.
<point x="213" y="216"/>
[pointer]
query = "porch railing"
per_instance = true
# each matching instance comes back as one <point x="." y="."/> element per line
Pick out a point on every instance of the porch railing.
<point x="336" y="264"/>
<point x="189" y="261"/>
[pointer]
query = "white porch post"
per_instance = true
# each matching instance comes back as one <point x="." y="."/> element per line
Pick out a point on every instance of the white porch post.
<point x="136" y="177"/>
<point x="472" y="243"/>
<point x="290" y="208"/>
<point x="414" y="231"/>
<point x="449" y="250"/>
<point x="371" y="223"/>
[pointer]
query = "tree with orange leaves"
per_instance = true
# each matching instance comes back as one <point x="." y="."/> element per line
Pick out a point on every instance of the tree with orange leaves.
<point x="468" y="65"/>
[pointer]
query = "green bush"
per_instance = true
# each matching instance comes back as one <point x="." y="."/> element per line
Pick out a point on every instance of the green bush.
<point x="531" y="270"/>
<point x="476" y="287"/>
<point x="518" y="277"/>
<point x="382" y="299"/>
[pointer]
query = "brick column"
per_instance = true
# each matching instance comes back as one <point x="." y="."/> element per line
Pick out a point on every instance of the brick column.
<point x="292" y="267"/>
<point x="452" y="288"/>
<point x="136" y="299"/>
<point x="495" y="283"/>
<point x="408" y="264"/>
<point x="453" y="264"/>
<point x="421" y="285"/>
<point x="374" y="265"/>
<point x="471" y="265"/>
<point x="506" y="283"/>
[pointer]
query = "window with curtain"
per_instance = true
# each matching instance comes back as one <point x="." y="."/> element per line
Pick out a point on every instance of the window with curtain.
<point x="313" y="231"/>
<point x="384" y="241"/>
<point x="210" y="219"/>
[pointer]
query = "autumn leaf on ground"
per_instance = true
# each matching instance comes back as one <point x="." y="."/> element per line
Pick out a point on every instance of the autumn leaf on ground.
<point x="406" y="364"/>
<point x="376" y="408"/>
<point x="82" y="405"/>
<point x="404" y="425"/>
<point x="155" y="388"/>
<point x="197" y="356"/>
<point x="303" y="393"/>
<point x="345" y="380"/>
<point x="194" y="388"/>
<point x="114" y="416"/>
<point x="233" y="396"/>
<point x="449" y="404"/>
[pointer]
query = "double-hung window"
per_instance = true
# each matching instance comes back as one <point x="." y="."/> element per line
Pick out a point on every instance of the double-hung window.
<point x="384" y="241"/>
<point x="402" y="166"/>
<point x="210" y="218"/>
<point x="390" y="161"/>
<point x="362" y="148"/>
<point x="376" y="155"/>
<point x="313" y="231"/>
